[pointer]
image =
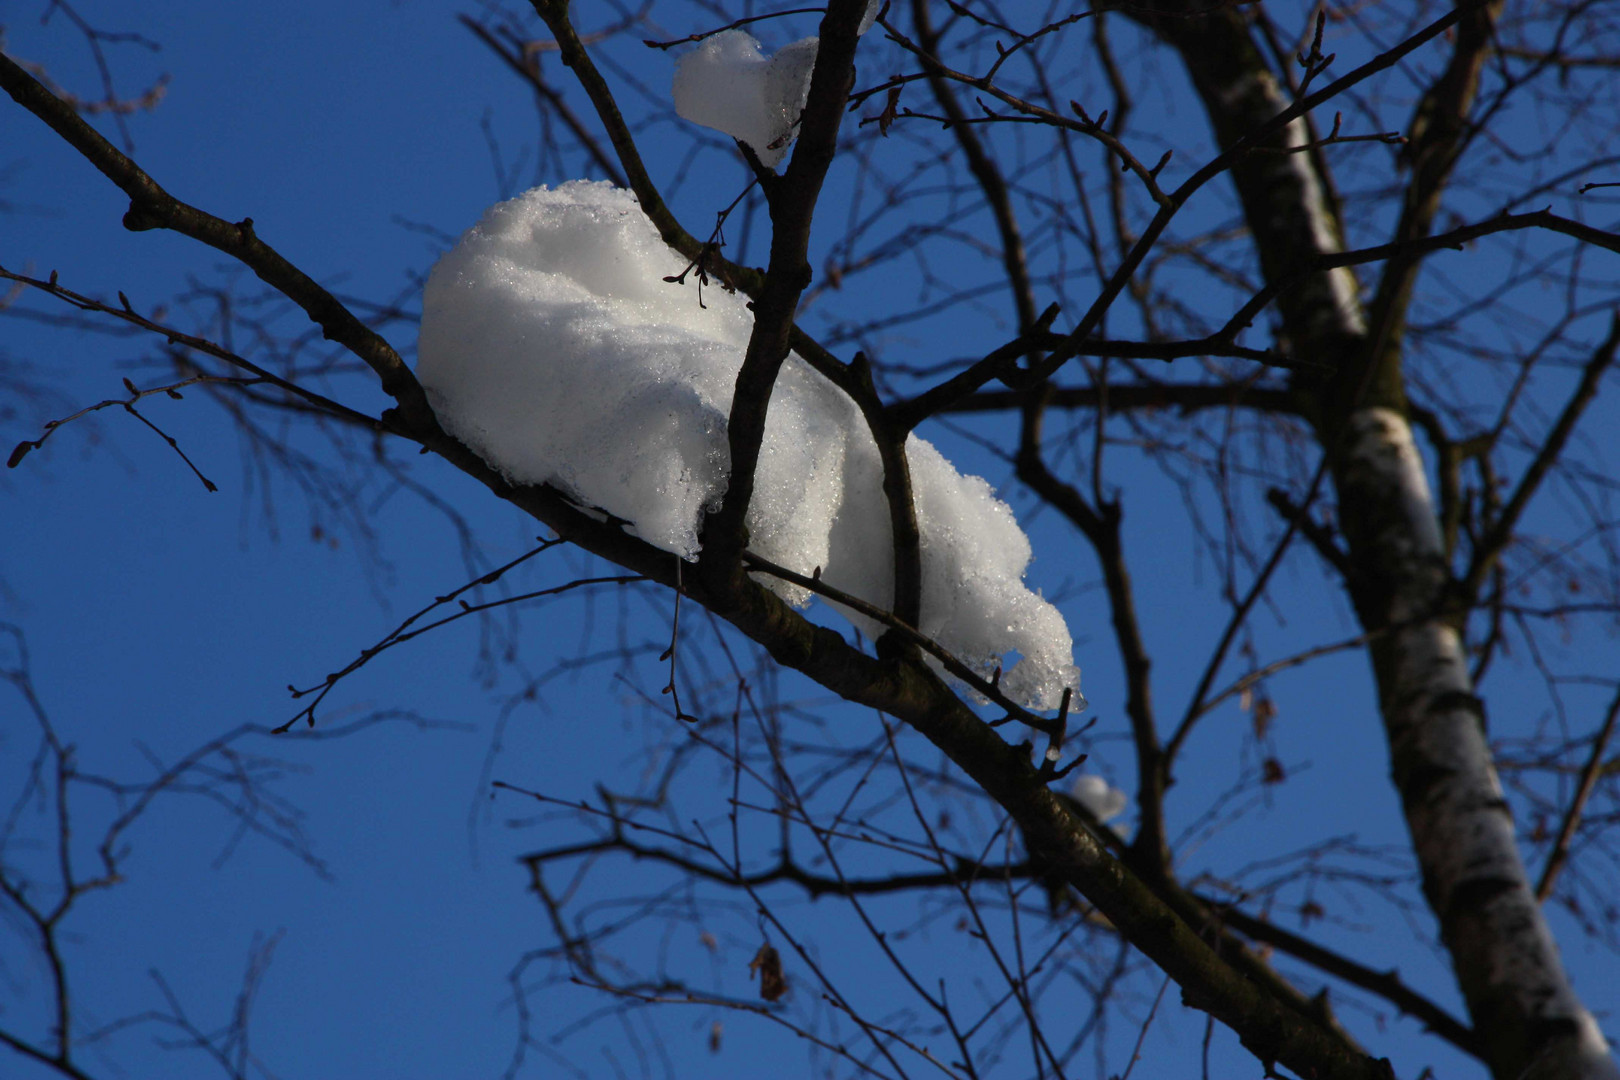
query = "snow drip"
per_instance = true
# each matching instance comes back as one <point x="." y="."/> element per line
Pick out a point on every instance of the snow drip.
<point x="552" y="345"/>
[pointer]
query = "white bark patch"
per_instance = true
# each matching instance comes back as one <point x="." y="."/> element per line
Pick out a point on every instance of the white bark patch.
<point x="1346" y="292"/>
<point x="1338" y="312"/>
<point x="1229" y="96"/>
<point x="1593" y="1056"/>
<point x="1385" y="459"/>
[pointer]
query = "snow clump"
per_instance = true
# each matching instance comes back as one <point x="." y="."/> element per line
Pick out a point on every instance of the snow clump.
<point x="1097" y="795"/>
<point x="727" y="83"/>
<point x="552" y="345"/>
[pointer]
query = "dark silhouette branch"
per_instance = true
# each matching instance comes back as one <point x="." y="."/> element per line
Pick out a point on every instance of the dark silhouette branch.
<point x="1500" y="532"/>
<point x="1101" y="527"/>
<point x="527" y="68"/>
<point x="1386" y="984"/>
<point x="1181" y="398"/>
<point x="908" y="633"/>
<point x="1453" y="240"/>
<point x="963" y="873"/>
<point x="1590" y="773"/>
<point x="791" y="200"/>
<point x="151" y="207"/>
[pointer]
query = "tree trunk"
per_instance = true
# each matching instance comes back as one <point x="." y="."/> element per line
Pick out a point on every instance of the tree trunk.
<point x="1525" y="1012"/>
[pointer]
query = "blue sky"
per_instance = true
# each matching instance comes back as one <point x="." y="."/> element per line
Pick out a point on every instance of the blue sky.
<point x="158" y="616"/>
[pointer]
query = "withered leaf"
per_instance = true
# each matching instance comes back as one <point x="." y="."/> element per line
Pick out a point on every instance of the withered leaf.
<point x="767" y="963"/>
<point x="1265" y="711"/>
<point x="891" y="109"/>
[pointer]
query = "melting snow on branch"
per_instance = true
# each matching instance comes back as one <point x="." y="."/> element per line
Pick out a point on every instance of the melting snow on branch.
<point x="552" y="345"/>
<point x="727" y="83"/>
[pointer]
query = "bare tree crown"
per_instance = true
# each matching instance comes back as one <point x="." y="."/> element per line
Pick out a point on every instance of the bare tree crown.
<point x="1307" y="276"/>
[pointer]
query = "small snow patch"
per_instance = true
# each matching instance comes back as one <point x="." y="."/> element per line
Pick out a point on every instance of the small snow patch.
<point x="728" y="83"/>
<point x="1097" y="795"/>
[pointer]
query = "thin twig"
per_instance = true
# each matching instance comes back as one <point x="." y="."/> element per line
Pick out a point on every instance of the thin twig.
<point x="1559" y="854"/>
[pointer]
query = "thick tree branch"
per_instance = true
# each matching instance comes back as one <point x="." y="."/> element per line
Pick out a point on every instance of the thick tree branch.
<point x="1436" y="138"/>
<point x="1269" y="1024"/>
<point x="555" y="15"/>
<point x="905" y="534"/>
<point x="792" y="203"/>
<point x="906" y="632"/>
<point x="1386" y="984"/>
<point x="1441" y="763"/>
<point x="1237" y="153"/>
<point x="151" y="207"/>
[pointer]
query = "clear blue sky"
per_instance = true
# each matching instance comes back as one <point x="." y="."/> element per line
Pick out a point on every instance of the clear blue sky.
<point x="159" y="616"/>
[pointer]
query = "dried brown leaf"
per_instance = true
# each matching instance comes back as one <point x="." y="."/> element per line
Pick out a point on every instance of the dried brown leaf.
<point x="767" y="964"/>
<point x="1265" y="711"/>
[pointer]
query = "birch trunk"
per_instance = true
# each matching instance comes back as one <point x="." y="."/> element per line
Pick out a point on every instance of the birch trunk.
<point x="1527" y="1017"/>
<point x="1526" y="1014"/>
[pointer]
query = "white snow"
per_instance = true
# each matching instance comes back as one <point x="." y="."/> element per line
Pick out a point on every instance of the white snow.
<point x="1097" y="795"/>
<point x="552" y="346"/>
<point x="727" y="83"/>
